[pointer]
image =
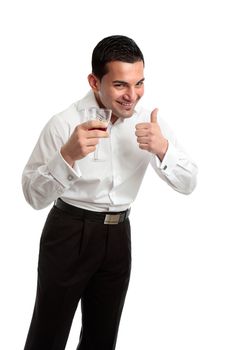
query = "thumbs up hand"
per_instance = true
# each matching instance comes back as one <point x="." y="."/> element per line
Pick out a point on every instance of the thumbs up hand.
<point x="150" y="137"/>
<point x="153" y="116"/>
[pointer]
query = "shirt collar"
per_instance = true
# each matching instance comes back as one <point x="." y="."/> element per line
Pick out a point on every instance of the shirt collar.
<point x="88" y="101"/>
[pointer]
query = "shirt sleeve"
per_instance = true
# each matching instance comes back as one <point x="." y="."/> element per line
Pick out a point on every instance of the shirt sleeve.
<point x="47" y="175"/>
<point x="177" y="168"/>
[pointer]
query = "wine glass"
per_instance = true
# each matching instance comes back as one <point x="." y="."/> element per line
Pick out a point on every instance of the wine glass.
<point x="103" y="115"/>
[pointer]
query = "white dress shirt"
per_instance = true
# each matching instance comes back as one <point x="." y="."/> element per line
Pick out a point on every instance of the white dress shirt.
<point x="108" y="185"/>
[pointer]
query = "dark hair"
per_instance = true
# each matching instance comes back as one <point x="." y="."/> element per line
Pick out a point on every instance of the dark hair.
<point x="114" y="48"/>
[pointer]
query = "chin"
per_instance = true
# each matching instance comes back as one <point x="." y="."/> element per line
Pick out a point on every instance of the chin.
<point x="125" y="113"/>
<point x="128" y="113"/>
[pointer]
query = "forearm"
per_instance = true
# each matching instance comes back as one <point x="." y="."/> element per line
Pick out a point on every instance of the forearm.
<point x="42" y="184"/>
<point x="177" y="169"/>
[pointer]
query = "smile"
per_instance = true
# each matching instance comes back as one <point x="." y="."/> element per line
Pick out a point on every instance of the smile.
<point x="126" y="104"/>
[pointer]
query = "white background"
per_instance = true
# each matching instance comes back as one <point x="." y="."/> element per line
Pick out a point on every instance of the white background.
<point x="181" y="290"/>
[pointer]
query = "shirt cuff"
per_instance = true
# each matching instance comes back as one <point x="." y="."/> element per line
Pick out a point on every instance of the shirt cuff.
<point x="62" y="171"/>
<point x="170" y="160"/>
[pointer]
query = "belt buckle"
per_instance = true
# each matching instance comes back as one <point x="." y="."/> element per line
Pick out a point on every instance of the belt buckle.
<point x="112" y="219"/>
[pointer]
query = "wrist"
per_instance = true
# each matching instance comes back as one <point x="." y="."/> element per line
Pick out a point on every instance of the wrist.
<point x="67" y="157"/>
<point x="163" y="150"/>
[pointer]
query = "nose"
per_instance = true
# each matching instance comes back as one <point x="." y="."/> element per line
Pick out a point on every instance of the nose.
<point x="130" y="94"/>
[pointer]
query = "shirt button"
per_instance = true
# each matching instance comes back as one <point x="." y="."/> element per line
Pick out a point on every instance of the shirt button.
<point x="165" y="167"/>
<point x="70" y="177"/>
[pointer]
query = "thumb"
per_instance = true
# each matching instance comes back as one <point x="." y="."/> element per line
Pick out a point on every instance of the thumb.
<point x="153" y="116"/>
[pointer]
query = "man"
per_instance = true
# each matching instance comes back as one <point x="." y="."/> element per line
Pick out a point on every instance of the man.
<point x="85" y="244"/>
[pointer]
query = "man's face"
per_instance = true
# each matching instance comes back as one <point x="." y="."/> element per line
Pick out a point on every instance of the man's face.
<point x="121" y="88"/>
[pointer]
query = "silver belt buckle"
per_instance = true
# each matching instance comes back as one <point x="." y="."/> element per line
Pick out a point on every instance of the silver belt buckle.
<point x="112" y="219"/>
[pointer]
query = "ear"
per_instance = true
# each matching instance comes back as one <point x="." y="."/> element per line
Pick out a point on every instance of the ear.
<point x="93" y="82"/>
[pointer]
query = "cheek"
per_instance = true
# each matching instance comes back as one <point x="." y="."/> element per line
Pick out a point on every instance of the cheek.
<point x="141" y="92"/>
<point x="109" y="95"/>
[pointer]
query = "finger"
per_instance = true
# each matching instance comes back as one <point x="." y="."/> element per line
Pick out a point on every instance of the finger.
<point x="140" y="126"/>
<point x="141" y="132"/>
<point x="143" y="140"/>
<point x="95" y="133"/>
<point x="144" y="146"/>
<point x="153" y="116"/>
<point x="91" y="148"/>
<point x="92" y="142"/>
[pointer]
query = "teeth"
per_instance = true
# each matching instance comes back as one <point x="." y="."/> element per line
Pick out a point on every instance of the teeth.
<point x="126" y="104"/>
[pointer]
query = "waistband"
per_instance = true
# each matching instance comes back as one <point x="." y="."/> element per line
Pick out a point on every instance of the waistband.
<point x="108" y="218"/>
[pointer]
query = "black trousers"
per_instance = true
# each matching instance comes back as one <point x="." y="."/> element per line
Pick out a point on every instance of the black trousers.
<point x="80" y="259"/>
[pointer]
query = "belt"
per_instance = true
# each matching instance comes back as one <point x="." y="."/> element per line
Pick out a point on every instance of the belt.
<point x="108" y="218"/>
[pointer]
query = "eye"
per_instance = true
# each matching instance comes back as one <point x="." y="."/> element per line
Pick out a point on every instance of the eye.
<point x="119" y="85"/>
<point x="140" y="83"/>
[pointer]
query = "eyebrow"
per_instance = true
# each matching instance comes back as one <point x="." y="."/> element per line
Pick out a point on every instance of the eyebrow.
<point x="124" y="82"/>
